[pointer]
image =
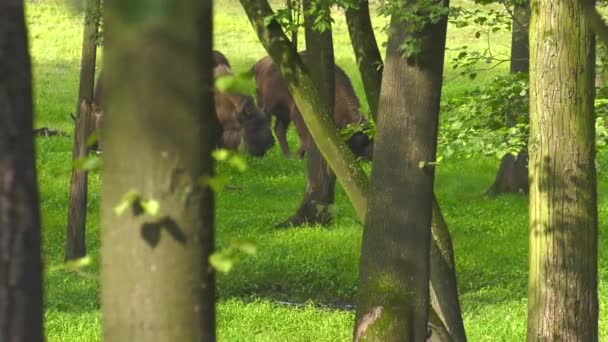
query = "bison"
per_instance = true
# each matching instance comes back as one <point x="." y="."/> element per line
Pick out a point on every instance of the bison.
<point x="274" y="98"/>
<point x="240" y="119"/>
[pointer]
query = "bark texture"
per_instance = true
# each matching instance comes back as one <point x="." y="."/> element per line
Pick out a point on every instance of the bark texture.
<point x="366" y="52"/>
<point x="563" y="303"/>
<point x="157" y="284"/>
<point x="512" y="175"/>
<point x="393" y="298"/>
<point x="77" y="213"/>
<point x="20" y="263"/>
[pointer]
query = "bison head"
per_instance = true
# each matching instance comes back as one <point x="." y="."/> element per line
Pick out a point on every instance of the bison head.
<point x="257" y="136"/>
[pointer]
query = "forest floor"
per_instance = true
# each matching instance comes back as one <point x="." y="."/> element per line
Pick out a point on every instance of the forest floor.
<point x="314" y="266"/>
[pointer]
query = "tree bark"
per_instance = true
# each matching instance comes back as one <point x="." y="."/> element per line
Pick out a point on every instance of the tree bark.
<point x="20" y="263"/>
<point x="512" y="175"/>
<point x="157" y="284"/>
<point x="366" y="52"/>
<point x="307" y="97"/>
<point x="444" y="289"/>
<point x="393" y="297"/>
<point x="77" y="213"/>
<point x="321" y="181"/>
<point x="562" y="295"/>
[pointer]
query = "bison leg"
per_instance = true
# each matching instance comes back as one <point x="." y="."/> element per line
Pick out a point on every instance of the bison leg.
<point x="280" y="129"/>
<point x="305" y="138"/>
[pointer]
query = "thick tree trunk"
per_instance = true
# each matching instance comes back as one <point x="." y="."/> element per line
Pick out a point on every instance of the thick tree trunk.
<point x="20" y="263"/>
<point x="157" y="284"/>
<point x="393" y="298"/>
<point x="366" y="51"/>
<point x="321" y="181"/>
<point x="562" y="297"/>
<point x="306" y="95"/>
<point x="77" y="212"/>
<point x="512" y="175"/>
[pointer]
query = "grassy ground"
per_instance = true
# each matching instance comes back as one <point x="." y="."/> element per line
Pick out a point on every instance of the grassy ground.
<point x="312" y="265"/>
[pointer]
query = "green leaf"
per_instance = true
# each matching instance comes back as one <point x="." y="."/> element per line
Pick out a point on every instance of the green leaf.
<point x="216" y="183"/>
<point x="75" y="265"/>
<point x="242" y="83"/>
<point x="245" y="247"/>
<point x="221" y="154"/>
<point x="150" y="207"/>
<point x="88" y="163"/>
<point x="126" y="201"/>
<point x="238" y="163"/>
<point x="221" y="262"/>
<point x="92" y="138"/>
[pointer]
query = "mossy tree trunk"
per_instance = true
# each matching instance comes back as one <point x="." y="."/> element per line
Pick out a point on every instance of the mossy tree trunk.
<point x="366" y="52"/>
<point x="316" y="114"/>
<point x="75" y="246"/>
<point x="21" y="313"/>
<point x="157" y="284"/>
<point x="563" y="232"/>
<point x="321" y="181"/>
<point x="393" y="296"/>
<point x="512" y="175"/>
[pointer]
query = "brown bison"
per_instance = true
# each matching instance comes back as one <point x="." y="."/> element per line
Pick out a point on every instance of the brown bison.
<point x="240" y="119"/>
<point x="274" y="98"/>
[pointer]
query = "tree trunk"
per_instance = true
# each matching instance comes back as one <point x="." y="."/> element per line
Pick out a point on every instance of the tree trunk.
<point x="77" y="213"/>
<point x="157" y="284"/>
<point x="562" y="295"/>
<point x="294" y="20"/>
<point x="512" y="175"/>
<point x="600" y="71"/>
<point x="366" y="52"/>
<point x="444" y="292"/>
<point x="393" y="297"/>
<point x="321" y="181"/>
<point x="20" y="264"/>
<point x="306" y="95"/>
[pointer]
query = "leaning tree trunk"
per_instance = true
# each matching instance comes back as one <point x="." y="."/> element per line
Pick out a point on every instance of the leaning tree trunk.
<point x="306" y="95"/>
<point x="20" y="263"/>
<point x="366" y="52"/>
<point x="75" y="246"/>
<point x="562" y="295"/>
<point x="393" y="297"/>
<point x="321" y="181"/>
<point x="512" y="175"/>
<point x="157" y="284"/>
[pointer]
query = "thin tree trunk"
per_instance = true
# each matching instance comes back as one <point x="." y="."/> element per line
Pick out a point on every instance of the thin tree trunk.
<point x="157" y="284"/>
<point x="393" y="296"/>
<point x="294" y="20"/>
<point x="512" y="175"/>
<point x="75" y="246"/>
<point x="366" y="52"/>
<point x="562" y="295"/>
<point x="444" y="292"/>
<point x="321" y="181"/>
<point x="20" y="264"/>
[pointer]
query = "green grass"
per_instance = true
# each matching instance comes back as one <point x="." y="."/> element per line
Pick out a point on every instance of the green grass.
<point x="311" y="265"/>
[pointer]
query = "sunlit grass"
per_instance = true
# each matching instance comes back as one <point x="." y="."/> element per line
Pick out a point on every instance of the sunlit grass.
<point x="314" y="265"/>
